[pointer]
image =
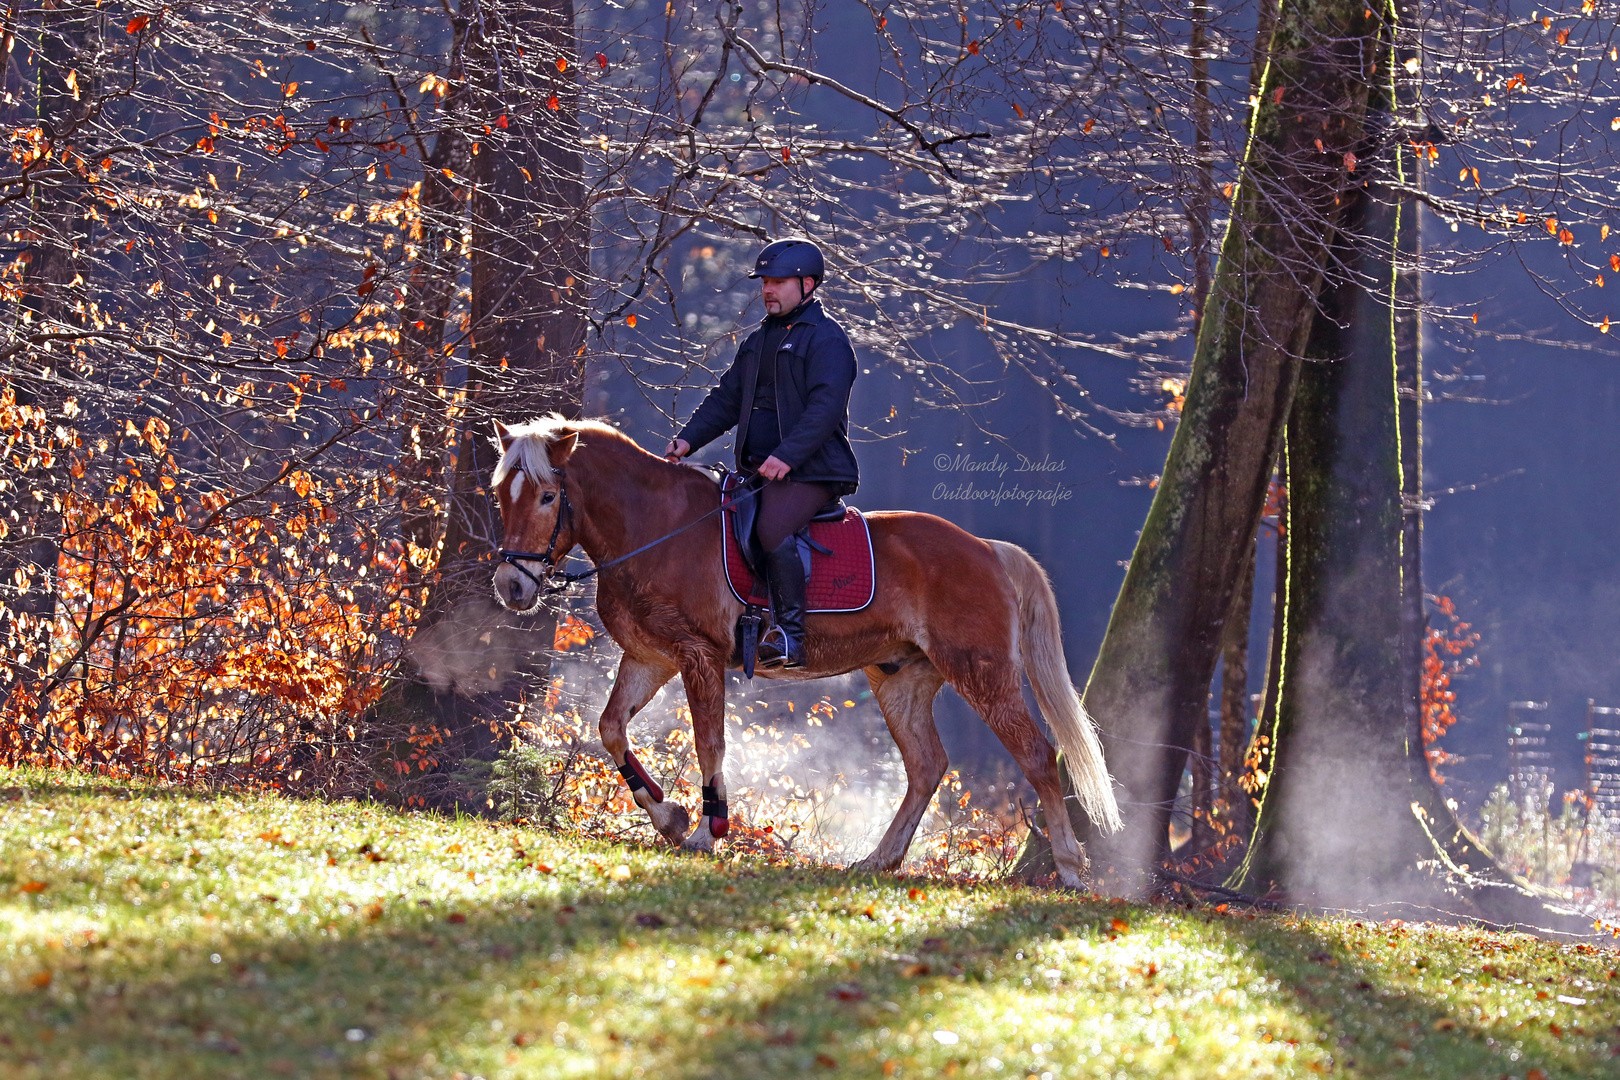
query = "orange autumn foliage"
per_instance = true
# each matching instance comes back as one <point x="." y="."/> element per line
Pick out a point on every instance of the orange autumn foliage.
<point x="191" y="640"/>
<point x="1447" y="651"/>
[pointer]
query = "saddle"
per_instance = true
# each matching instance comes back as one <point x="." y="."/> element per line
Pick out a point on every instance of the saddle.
<point x="836" y="548"/>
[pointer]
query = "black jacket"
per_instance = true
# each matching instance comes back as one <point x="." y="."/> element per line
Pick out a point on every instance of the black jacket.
<point x="815" y="368"/>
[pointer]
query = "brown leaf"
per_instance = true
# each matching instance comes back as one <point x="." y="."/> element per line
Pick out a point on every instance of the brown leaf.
<point x="650" y="920"/>
<point x="847" y="991"/>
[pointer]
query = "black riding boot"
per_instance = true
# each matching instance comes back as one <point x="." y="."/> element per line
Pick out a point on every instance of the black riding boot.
<point x="784" y="645"/>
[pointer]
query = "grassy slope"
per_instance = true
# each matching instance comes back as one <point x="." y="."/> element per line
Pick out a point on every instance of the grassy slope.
<point x="179" y="934"/>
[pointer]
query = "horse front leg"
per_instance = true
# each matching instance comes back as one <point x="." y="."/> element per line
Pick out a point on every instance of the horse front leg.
<point x="634" y="685"/>
<point x="705" y="682"/>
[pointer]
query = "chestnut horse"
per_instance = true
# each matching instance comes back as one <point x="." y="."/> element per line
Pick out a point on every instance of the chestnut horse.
<point x="949" y="607"/>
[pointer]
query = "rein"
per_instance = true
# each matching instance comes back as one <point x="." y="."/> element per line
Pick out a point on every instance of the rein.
<point x="550" y="557"/>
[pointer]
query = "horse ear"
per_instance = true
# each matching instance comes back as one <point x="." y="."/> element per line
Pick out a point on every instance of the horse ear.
<point x="563" y="449"/>
<point x="504" y="435"/>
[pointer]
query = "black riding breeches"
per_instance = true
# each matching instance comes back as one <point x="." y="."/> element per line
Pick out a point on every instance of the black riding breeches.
<point x="785" y="507"/>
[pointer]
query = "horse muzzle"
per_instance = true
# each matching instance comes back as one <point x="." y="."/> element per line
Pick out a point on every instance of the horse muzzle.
<point x="519" y="587"/>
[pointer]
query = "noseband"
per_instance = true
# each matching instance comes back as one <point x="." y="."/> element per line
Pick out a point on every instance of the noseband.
<point x="551" y="556"/>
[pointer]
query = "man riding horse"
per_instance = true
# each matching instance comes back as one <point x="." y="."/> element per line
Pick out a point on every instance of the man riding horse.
<point x="787" y="394"/>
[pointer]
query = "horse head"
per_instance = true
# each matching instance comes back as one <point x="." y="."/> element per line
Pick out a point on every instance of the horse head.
<point x="539" y="526"/>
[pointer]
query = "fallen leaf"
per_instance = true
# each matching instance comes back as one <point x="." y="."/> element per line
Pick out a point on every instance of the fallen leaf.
<point x="33" y="886"/>
<point x="847" y="991"/>
<point x="39" y="980"/>
<point x="650" y="921"/>
<point x="456" y="917"/>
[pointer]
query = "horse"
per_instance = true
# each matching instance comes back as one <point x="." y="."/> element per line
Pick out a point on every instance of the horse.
<point x="948" y="607"/>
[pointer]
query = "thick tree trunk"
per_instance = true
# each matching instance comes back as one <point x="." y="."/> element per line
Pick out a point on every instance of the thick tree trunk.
<point x="530" y="258"/>
<point x="530" y="233"/>
<point x="426" y="416"/>
<point x="1151" y="682"/>
<point x="1350" y="814"/>
<point x="1335" y="821"/>
<point x="55" y="285"/>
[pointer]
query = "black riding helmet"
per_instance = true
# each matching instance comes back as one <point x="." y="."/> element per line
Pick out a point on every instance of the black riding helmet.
<point x="790" y="258"/>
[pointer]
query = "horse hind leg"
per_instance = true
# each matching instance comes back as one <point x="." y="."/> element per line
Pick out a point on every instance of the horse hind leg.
<point x="907" y="700"/>
<point x="634" y="685"/>
<point x="1000" y="702"/>
<point x="704" y="678"/>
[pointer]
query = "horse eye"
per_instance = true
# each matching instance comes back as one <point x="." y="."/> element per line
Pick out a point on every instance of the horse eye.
<point x="547" y="497"/>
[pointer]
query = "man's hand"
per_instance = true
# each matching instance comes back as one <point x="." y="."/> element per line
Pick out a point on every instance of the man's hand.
<point x="677" y="449"/>
<point x="774" y="468"/>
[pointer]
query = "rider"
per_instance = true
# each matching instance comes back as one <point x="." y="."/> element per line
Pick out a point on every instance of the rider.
<point x="792" y="420"/>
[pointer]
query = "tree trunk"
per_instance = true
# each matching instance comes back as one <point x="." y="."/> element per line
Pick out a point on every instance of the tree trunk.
<point x="1335" y="821"/>
<point x="1151" y="682"/>
<point x="1350" y="813"/>
<point x="1231" y="801"/>
<point x="426" y="416"/>
<point x="530" y="258"/>
<point x="56" y="270"/>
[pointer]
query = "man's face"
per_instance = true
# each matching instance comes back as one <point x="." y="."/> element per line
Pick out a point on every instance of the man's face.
<point x="783" y="293"/>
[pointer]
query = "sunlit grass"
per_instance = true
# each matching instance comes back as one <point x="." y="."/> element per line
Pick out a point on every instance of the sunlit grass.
<point x="165" y="933"/>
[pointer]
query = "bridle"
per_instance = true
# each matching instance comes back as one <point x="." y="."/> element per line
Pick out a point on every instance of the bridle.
<point x="551" y="556"/>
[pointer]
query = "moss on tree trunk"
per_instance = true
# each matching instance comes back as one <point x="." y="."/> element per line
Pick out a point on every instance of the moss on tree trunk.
<point x="1150" y="685"/>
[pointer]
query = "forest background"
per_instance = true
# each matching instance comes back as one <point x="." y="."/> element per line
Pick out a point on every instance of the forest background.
<point x="222" y="220"/>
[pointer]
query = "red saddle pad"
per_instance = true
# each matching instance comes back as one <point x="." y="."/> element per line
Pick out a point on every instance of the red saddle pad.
<point x="842" y="581"/>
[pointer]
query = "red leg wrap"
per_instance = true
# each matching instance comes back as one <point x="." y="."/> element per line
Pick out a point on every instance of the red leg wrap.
<point x="633" y="771"/>
<point x="719" y="826"/>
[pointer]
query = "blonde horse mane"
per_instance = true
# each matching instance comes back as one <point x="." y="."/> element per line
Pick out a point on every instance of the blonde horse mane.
<point x="524" y="450"/>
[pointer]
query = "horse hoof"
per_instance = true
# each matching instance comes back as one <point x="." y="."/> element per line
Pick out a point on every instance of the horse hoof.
<point x="675" y="821"/>
<point x="1069" y="880"/>
<point x="700" y="841"/>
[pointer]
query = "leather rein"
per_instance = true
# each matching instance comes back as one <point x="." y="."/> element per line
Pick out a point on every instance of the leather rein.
<point x="551" y="557"/>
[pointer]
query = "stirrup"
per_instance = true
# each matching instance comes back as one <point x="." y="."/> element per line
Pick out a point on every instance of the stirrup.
<point x="775" y="651"/>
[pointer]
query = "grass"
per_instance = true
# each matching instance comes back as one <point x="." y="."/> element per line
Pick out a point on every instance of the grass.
<point x="150" y="932"/>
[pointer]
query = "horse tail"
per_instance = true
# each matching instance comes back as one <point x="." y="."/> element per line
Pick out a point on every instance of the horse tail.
<point x="1042" y="647"/>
